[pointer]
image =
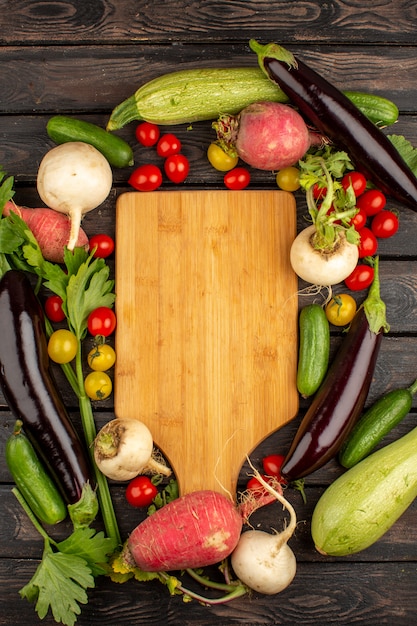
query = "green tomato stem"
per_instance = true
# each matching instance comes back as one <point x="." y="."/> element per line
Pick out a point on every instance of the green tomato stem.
<point x="90" y="432"/>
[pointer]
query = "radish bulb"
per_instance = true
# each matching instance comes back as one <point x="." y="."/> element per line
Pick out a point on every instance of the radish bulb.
<point x="74" y="178"/>
<point x="326" y="252"/>
<point x="265" y="562"/>
<point x="266" y="135"/>
<point x="123" y="448"/>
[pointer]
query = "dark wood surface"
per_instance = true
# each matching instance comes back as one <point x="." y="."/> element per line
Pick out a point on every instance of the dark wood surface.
<point x="82" y="57"/>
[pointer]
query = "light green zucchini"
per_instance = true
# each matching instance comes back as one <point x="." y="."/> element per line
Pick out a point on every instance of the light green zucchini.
<point x="362" y="504"/>
<point x="188" y="96"/>
<point x="314" y="348"/>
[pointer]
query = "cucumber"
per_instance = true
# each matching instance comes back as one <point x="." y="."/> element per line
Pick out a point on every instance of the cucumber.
<point x="62" y="129"/>
<point x="314" y="348"/>
<point x="375" y="423"/>
<point x="379" y="110"/>
<point x="196" y="95"/>
<point x="32" y="479"/>
<point x="362" y="504"/>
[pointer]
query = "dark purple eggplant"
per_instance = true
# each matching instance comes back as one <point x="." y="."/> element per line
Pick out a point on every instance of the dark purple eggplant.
<point x="331" y="112"/>
<point x="30" y="390"/>
<point x="340" y="399"/>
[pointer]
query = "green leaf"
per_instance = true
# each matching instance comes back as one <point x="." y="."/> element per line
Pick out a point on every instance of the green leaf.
<point x="406" y="150"/>
<point x="93" y="547"/>
<point x="59" y="584"/>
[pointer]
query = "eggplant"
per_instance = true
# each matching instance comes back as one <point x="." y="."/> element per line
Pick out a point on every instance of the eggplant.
<point x="340" y="399"/>
<point x="332" y="113"/>
<point x="30" y="390"/>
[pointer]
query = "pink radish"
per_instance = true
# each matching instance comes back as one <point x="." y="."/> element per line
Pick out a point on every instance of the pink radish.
<point x="50" y="228"/>
<point x="196" y="530"/>
<point x="266" y="135"/>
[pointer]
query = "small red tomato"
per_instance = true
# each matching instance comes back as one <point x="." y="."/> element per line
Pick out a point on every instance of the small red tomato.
<point x="357" y="180"/>
<point x="358" y="221"/>
<point x="53" y="308"/>
<point x="167" y="145"/>
<point x="101" y="321"/>
<point x="372" y="201"/>
<point x="237" y="178"/>
<point x="253" y="484"/>
<point x="147" y="134"/>
<point x="319" y="192"/>
<point x="177" y="167"/>
<point x="103" y="244"/>
<point x="361" y="277"/>
<point x="141" y="491"/>
<point x="272" y="465"/>
<point x="146" y="178"/>
<point x="368" y="243"/>
<point x="385" y="224"/>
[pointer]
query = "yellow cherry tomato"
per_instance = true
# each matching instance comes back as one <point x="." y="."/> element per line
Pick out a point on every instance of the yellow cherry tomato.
<point x="62" y="346"/>
<point x="341" y="309"/>
<point x="101" y="358"/>
<point x="288" y="179"/>
<point x="98" y="385"/>
<point x="219" y="159"/>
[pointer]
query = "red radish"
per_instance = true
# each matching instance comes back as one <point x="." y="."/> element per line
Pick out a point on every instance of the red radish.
<point x="50" y="228"/>
<point x="199" y="529"/>
<point x="266" y="135"/>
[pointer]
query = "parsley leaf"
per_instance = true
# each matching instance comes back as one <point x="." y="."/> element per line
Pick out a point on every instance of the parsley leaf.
<point x="406" y="150"/>
<point x="93" y="547"/>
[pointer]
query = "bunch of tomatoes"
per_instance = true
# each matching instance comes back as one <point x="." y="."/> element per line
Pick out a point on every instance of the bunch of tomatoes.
<point x="101" y="324"/>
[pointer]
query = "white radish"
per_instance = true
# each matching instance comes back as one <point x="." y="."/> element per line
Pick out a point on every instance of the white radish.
<point x="321" y="266"/>
<point x="123" y="448"/>
<point x="74" y="178"/>
<point x="263" y="561"/>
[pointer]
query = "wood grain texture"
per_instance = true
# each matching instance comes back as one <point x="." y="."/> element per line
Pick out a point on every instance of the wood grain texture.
<point x="207" y="334"/>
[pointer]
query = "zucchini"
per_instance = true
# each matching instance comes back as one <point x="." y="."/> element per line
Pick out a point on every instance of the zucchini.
<point x="363" y="503"/>
<point x="32" y="479"/>
<point x="314" y="348"/>
<point x="375" y="423"/>
<point x="62" y="129"/>
<point x="189" y="96"/>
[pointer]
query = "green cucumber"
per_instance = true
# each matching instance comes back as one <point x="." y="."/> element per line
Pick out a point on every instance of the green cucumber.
<point x="32" y="479"/>
<point x="62" y="129"/>
<point x="379" y="110"/>
<point x="375" y="423"/>
<point x="314" y="348"/>
<point x="362" y="504"/>
<point x="188" y="96"/>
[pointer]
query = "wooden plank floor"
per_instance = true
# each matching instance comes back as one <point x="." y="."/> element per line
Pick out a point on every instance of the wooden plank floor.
<point x="82" y="58"/>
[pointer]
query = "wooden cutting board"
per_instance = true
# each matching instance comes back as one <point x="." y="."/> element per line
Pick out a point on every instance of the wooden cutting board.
<point x="206" y="339"/>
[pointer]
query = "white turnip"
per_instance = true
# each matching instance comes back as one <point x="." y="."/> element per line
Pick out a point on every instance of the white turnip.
<point x="74" y="178"/>
<point x="123" y="448"/>
<point x="265" y="135"/>
<point x="50" y="229"/>
<point x="263" y="561"/>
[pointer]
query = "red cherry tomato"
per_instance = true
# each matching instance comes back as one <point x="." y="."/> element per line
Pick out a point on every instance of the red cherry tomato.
<point x="237" y="178"/>
<point x="101" y="321"/>
<point x="361" y="277"/>
<point x="253" y="484"/>
<point x="146" y="178"/>
<point x="53" y="308"/>
<point x="357" y="180"/>
<point x="104" y="245"/>
<point x="141" y="491"/>
<point x="272" y="466"/>
<point x="358" y="221"/>
<point x="368" y="243"/>
<point x="167" y="145"/>
<point x="319" y="192"/>
<point x="177" y="167"/>
<point x="372" y="201"/>
<point x="147" y="133"/>
<point x="385" y="224"/>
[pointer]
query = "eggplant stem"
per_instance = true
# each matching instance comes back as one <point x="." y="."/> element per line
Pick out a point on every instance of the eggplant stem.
<point x="374" y="306"/>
